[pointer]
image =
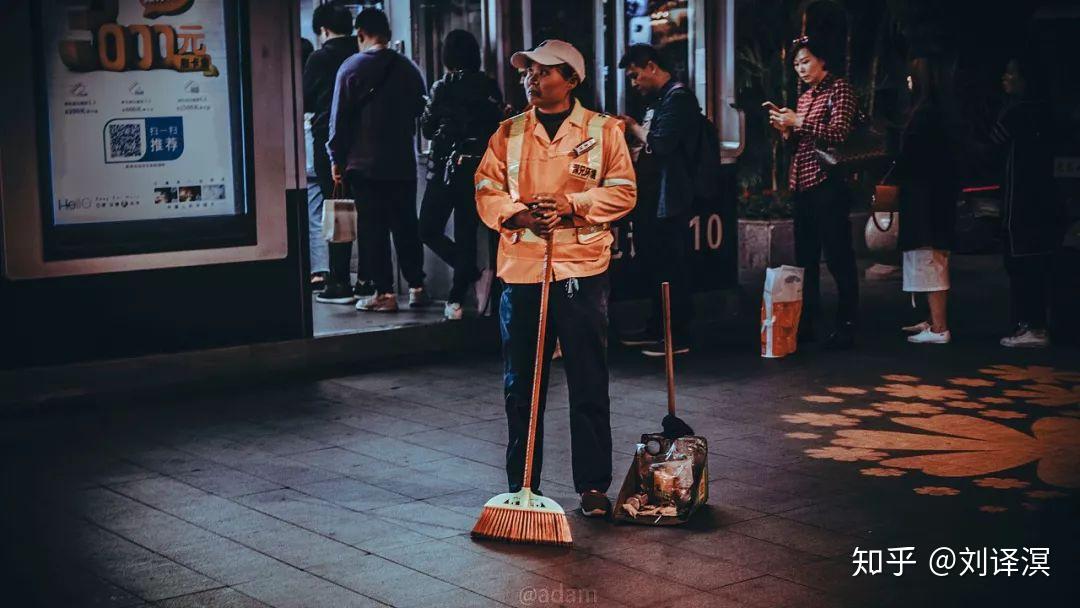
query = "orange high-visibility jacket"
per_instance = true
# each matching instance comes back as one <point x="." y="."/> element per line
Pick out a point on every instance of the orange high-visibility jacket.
<point x="521" y="162"/>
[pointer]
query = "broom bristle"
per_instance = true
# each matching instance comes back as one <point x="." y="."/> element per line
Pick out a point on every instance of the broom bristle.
<point x="523" y="526"/>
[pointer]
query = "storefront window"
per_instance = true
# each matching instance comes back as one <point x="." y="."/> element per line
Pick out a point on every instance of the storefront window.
<point x="433" y="20"/>
<point x="676" y="29"/>
<point x="664" y="24"/>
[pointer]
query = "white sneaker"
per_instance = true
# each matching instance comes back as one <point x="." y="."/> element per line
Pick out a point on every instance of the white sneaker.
<point x="1027" y="338"/>
<point x="383" y="302"/>
<point x="927" y="336"/>
<point x="917" y="328"/>
<point x="453" y="311"/>
<point x="418" y="297"/>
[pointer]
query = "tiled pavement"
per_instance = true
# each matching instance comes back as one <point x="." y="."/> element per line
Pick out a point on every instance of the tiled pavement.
<point x="360" y="490"/>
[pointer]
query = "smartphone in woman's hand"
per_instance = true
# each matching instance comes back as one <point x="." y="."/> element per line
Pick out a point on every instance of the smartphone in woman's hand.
<point x="768" y="105"/>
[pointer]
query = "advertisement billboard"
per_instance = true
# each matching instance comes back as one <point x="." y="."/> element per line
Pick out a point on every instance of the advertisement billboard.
<point x="144" y="127"/>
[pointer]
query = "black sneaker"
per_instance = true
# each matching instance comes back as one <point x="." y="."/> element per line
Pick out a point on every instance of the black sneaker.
<point x="318" y="280"/>
<point x="595" y="503"/>
<point x="364" y="289"/>
<point x="336" y="292"/>
<point x="641" y="338"/>
<point x="656" y="349"/>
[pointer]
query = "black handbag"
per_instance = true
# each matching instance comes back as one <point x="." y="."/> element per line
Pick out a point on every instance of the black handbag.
<point x="867" y="144"/>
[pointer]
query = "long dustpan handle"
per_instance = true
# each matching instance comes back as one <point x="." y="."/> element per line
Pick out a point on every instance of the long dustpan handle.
<point x="669" y="355"/>
<point x="538" y="366"/>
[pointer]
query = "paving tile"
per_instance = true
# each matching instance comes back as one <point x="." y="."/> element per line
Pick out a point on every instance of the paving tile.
<point x="702" y="599"/>
<point x="527" y="557"/>
<point x="854" y="516"/>
<point x="283" y="470"/>
<point x="332" y="521"/>
<point x="79" y="588"/>
<point x="381" y="424"/>
<point x="225" y="560"/>
<point x="217" y="598"/>
<point x="617" y="582"/>
<point x="227" y="482"/>
<point x="757" y="554"/>
<point x="756" y="497"/>
<point x="338" y="460"/>
<point x="447" y="562"/>
<point x="411" y="482"/>
<point x="384" y="580"/>
<point x="427" y="413"/>
<point x="771" y="592"/>
<point x="293" y="545"/>
<point x="353" y="494"/>
<point x="466" y="474"/>
<point x="458" y="598"/>
<point x="393" y="450"/>
<point x="493" y="431"/>
<point x="214" y="513"/>
<point x="468" y="502"/>
<point x="802" y="537"/>
<point x="138" y="571"/>
<point x="456" y="444"/>
<point x="303" y="590"/>
<point x="526" y="589"/>
<point x="678" y="564"/>
<point x="427" y="519"/>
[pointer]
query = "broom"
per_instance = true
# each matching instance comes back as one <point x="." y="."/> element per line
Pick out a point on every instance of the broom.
<point x="524" y="516"/>
<point x="674" y="427"/>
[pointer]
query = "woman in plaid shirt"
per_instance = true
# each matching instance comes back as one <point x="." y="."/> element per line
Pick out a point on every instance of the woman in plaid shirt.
<point x="822" y="117"/>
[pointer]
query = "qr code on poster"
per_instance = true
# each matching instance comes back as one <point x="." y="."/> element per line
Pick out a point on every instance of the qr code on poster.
<point x="125" y="141"/>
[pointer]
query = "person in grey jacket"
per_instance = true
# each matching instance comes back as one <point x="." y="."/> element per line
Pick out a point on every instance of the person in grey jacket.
<point x="378" y="96"/>
<point x="669" y="132"/>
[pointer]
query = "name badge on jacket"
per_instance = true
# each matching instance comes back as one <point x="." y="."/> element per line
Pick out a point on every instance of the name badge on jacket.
<point x="584" y="147"/>
<point x="584" y="172"/>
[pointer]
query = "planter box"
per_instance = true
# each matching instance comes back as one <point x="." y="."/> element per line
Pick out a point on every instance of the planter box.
<point x="770" y="243"/>
<point x="766" y="243"/>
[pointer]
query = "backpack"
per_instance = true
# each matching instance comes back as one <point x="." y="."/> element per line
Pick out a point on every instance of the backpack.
<point x="704" y="156"/>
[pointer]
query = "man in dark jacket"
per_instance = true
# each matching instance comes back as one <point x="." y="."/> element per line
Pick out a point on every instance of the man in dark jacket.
<point x="378" y="96"/>
<point x="669" y="133"/>
<point x="332" y="25"/>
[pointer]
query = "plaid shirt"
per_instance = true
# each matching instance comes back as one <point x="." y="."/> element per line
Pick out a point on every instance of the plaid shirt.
<point x="827" y="110"/>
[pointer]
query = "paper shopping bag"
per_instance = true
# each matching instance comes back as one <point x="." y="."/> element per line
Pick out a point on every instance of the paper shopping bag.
<point x="339" y="217"/>
<point x="781" y="307"/>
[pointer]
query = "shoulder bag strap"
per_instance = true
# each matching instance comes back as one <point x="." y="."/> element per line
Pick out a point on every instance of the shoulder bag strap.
<point x="368" y="94"/>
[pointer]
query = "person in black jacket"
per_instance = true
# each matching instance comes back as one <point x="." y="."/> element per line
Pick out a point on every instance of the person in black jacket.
<point x="1034" y="217"/>
<point x="668" y="136"/>
<point x="464" y="109"/>
<point x="332" y="25"/>
<point x="926" y="173"/>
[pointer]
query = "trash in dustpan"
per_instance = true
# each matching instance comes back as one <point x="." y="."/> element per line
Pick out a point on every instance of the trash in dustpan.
<point x="781" y="307"/>
<point x="667" y="483"/>
<point x="669" y="478"/>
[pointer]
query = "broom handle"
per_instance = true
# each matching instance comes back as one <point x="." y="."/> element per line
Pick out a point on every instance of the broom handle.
<point x="538" y="366"/>
<point x="669" y="356"/>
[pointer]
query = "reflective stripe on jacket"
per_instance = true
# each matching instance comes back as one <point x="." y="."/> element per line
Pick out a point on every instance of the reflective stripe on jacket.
<point x="521" y="162"/>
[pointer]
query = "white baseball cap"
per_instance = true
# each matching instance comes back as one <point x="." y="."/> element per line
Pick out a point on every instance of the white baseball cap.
<point x="551" y="52"/>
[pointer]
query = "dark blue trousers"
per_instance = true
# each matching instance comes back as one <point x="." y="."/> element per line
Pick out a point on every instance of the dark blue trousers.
<point x="578" y="317"/>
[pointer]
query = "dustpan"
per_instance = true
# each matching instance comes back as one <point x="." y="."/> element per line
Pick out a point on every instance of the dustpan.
<point x="676" y="451"/>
